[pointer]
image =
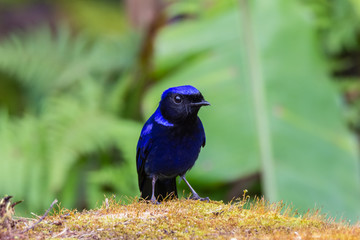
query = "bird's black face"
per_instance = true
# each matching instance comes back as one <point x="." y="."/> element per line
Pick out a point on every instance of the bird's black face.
<point x="177" y="107"/>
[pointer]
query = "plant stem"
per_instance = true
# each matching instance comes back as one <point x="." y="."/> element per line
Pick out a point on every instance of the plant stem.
<point x="259" y="98"/>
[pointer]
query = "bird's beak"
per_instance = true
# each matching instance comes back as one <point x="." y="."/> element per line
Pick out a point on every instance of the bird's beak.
<point x="202" y="103"/>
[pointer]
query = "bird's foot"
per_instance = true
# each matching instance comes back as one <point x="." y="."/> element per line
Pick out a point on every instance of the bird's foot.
<point x="154" y="201"/>
<point x="197" y="197"/>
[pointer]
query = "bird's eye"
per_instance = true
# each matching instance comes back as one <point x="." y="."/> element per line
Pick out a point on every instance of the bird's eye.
<point x="177" y="99"/>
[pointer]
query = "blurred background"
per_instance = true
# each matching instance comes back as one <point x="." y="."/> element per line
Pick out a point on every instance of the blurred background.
<point x="79" y="78"/>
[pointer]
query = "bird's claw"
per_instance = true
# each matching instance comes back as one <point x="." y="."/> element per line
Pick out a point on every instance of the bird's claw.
<point x="197" y="197"/>
<point x="154" y="201"/>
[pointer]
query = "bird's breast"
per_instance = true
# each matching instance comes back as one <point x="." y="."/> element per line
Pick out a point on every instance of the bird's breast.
<point x="174" y="152"/>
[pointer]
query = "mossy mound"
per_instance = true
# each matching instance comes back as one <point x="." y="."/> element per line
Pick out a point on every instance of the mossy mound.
<point x="185" y="219"/>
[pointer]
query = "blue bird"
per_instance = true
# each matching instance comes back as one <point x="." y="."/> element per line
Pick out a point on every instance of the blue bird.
<point x="170" y="143"/>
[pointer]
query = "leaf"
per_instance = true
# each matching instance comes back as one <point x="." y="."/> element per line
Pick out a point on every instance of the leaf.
<point x="315" y="154"/>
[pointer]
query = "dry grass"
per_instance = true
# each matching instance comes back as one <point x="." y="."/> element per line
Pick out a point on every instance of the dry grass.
<point x="183" y="219"/>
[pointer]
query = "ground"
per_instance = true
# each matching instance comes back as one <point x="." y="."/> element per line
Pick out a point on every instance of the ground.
<point x="181" y="219"/>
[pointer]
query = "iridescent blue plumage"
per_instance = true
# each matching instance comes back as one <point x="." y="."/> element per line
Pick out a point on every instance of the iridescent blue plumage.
<point x="170" y="143"/>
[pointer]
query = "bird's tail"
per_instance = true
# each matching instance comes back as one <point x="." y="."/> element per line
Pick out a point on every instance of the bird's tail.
<point x="164" y="189"/>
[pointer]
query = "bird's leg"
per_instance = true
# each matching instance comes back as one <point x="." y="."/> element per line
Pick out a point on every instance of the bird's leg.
<point x="153" y="199"/>
<point x="194" y="196"/>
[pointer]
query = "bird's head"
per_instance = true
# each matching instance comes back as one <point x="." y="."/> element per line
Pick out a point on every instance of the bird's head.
<point x="181" y="103"/>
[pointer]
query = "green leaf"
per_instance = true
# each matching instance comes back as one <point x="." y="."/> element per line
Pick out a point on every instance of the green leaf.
<point x="316" y="159"/>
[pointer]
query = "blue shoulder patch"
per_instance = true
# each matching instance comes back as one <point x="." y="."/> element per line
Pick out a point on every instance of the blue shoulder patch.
<point x="161" y="120"/>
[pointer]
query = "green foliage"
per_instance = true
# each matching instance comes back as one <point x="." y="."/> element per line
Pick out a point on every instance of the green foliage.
<point x="96" y="18"/>
<point x="337" y="23"/>
<point x="76" y="88"/>
<point x="47" y="65"/>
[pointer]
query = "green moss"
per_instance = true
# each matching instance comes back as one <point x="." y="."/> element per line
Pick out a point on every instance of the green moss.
<point x="188" y="219"/>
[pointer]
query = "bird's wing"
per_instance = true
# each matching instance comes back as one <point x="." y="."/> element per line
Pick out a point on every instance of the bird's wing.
<point x="163" y="187"/>
<point x="142" y="151"/>
<point x="143" y="146"/>
<point x="202" y="133"/>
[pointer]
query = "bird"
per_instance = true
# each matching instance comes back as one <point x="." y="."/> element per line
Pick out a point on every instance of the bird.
<point x="170" y="143"/>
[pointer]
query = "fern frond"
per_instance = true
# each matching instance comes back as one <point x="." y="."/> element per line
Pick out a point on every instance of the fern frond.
<point x="69" y="75"/>
<point x="37" y="153"/>
<point x="46" y="62"/>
